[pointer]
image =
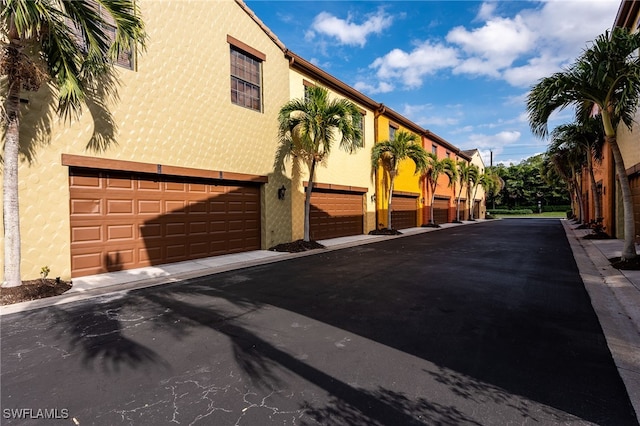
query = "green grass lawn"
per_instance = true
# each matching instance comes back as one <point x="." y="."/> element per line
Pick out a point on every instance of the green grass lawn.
<point x="556" y="215"/>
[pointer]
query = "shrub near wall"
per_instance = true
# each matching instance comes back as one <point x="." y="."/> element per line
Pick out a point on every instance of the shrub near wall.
<point x="507" y="211"/>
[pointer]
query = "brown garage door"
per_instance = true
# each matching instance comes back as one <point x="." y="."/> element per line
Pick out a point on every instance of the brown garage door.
<point x="462" y="210"/>
<point x="122" y="220"/>
<point x="441" y="210"/>
<point x="403" y="212"/>
<point x="335" y="214"/>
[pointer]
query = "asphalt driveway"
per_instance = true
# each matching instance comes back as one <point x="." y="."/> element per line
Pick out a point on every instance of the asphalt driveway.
<point x="478" y="325"/>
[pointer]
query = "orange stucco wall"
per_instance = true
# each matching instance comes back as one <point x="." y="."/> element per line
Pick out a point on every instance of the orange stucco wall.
<point x="444" y="189"/>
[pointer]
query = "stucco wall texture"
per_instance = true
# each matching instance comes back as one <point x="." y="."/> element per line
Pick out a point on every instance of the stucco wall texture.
<point x="406" y="181"/>
<point x="339" y="168"/>
<point x="628" y="142"/>
<point x="175" y="109"/>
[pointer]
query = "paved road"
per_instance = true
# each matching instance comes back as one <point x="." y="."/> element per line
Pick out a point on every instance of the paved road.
<point x="478" y="325"/>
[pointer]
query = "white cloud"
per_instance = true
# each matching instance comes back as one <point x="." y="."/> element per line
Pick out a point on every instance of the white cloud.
<point x="411" y="67"/>
<point x="427" y="115"/>
<point x="567" y="37"/>
<point x="382" y="87"/>
<point x="486" y="11"/>
<point x="487" y="143"/>
<point x="477" y="66"/>
<point x="348" y="32"/>
<point x="465" y="129"/>
<point x="494" y="46"/>
<point x="494" y="141"/>
<point x="499" y="37"/>
<point x="520" y="49"/>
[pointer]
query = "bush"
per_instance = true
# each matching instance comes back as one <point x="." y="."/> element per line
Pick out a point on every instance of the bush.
<point x="560" y="208"/>
<point x="507" y="211"/>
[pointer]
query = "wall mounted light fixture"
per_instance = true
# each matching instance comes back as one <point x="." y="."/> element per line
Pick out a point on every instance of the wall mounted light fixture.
<point x="281" y="192"/>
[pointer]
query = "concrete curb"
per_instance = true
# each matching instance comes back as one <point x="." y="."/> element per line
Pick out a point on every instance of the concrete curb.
<point x="616" y="302"/>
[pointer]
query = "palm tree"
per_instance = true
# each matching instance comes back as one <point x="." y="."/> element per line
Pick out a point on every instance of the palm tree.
<point x="309" y="127"/>
<point x="472" y="182"/>
<point x="606" y="80"/>
<point x="390" y="153"/>
<point x="566" y="162"/>
<point x="487" y="182"/>
<point x="586" y="138"/>
<point x="434" y="169"/>
<point x="495" y="183"/>
<point x="464" y="176"/>
<point x="65" y="45"/>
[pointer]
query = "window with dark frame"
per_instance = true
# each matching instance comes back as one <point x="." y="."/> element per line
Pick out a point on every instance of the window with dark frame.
<point x="126" y="57"/>
<point x="361" y="125"/>
<point x="392" y="133"/>
<point x="434" y="149"/>
<point x="246" y="80"/>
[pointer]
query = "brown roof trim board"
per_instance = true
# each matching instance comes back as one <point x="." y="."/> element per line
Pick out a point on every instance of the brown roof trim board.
<point x="159" y="169"/>
<point x="261" y="24"/>
<point x="246" y="48"/>
<point x="627" y="13"/>
<point x="406" y="194"/>
<point x="402" y="120"/>
<point x="633" y="170"/>
<point x="299" y="63"/>
<point x="454" y="149"/>
<point x="334" y="187"/>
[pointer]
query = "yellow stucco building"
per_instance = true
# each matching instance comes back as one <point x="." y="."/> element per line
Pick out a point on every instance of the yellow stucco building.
<point x="181" y="164"/>
<point x="188" y="170"/>
<point x="406" y="200"/>
<point x="341" y="202"/>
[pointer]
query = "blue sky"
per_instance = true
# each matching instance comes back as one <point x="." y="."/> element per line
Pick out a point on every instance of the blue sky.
<point x="461" y="69"/>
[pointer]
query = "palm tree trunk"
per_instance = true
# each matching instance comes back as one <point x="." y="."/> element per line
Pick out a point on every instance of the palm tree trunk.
<point x="433" y="199"/>
<point x="475" y="192"/>
<point x="578" y="190"/>
<point x="392" y="179"/>
<point x="307" y="201"/>
<point x="458" y="204"/>
<point x="10" y="211"/>
<point x="629" y="248"/>
<point x="594" y="189"/>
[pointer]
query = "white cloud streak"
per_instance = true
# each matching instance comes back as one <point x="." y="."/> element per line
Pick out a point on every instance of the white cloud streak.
<point x="348" y="32"/>
<point x="411" y="67"/>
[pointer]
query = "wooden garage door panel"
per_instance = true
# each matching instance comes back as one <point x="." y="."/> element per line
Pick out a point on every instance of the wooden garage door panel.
<point x="335" y="214"/>
<point x="476" y="209"/>
<point x="125" y="220"/>
<point x="403" y="212"/>
<point x="441" y="210"/>
<point x="463" y="210"/>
